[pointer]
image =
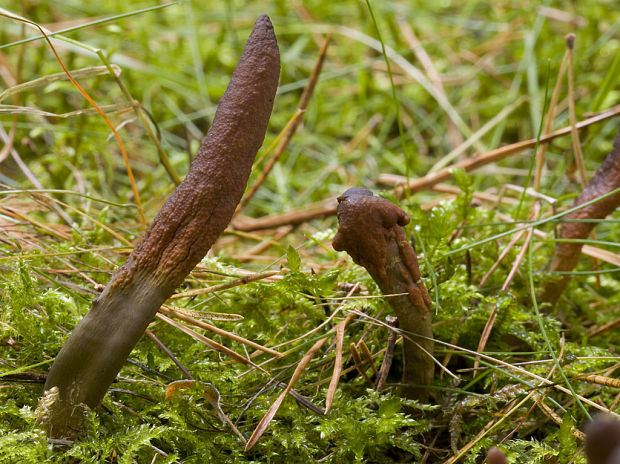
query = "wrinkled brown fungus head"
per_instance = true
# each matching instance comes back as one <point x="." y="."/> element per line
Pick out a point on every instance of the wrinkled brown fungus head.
<point x="353" y="191"/>
<point x="202" y="206"/>
<point x="371" y="232"/>
<point x="365" y="222"/>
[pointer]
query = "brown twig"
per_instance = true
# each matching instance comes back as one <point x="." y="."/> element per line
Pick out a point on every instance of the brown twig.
<point x="295" y="217"/>
<point x="328" y="207"/>
<point x="93" y="103"/>
<point x="595" y="331"/>
<point x="392" y="322"/>
<point x="363" y="348"/>
<point x="267" y="418"/>
<point x="500" y="153"/>
<point x="454" y="135"/>
<point x="225" y="286"/>
<point x="578" y="154"/>
<point x="263" y="246"/>
<point x="207" y="341"/>
<point x="13" y="81"/>
<point x="540" y="154"/>
<point x="169" y="353"/>
<point x="142" y="115"/>
<point x="357" y="360"/>
<point x="486" y="333"/>
<point x="166" y="310"/>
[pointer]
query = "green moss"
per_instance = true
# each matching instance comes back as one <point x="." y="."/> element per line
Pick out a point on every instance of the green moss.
<point x="176" y="62"/>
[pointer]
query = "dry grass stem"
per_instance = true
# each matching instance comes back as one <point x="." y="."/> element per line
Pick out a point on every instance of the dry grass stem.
<point x="225" y="286"/>
<point x="207" y="341"/>
<point x="333" y="383"/>
<point x="542" y="150"/>
<point x="392" y="322"/>
<point x="166" y="310"/>
<point x="578" y="154"/>
<point x="267" y="418"/>
<point x="328" y="207"/>
<point x="493" y="156"/>
<point x="357" y="360"/>
<point x="454" y="135"/>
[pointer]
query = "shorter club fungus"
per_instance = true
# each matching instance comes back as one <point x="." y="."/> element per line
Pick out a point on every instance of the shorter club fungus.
<point x="181" y="234"/>
<point x="371" y="232"/>
<point x="602" y="443"/>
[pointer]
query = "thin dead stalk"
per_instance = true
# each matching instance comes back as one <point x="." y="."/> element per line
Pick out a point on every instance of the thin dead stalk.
<point x="454" y="135"/>
<point x="471" y="164"/>
<point x="540" y="155"/>
<point x="578" y="154"/>
<point x="166" y="310"/>
<point x="392" y="322"/>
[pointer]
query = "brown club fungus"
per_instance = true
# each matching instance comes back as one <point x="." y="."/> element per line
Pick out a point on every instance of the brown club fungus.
<point x="181" y="234"/>
<point x="566" y="254"/>
<point x="371" y="232"/>
<point x="602" y="443"/>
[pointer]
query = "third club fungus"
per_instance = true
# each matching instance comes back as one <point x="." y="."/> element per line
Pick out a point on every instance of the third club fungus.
<point x="603" y="440"/>
<point x="602" y="443"/>
<point x="496" y="456"/>
<point x="181" y="234"/>
<point x="566" y="254"/>
<point x="371" y="232"/>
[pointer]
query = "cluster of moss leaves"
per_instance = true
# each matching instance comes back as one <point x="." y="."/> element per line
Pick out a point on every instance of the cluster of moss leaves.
<point x="176" y="61"/>
<point x="135" y="419"/>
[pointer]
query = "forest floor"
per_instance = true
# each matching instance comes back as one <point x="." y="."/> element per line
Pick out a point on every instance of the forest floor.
<point x="453" y="98"/>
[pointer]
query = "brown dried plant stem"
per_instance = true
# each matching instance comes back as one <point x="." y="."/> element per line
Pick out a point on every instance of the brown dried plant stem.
<point x="141" y="113"/>
<point x="371" y="232"/>
<point x="13" y="81"/>
<point x="566" y="254"/>
<point x="542" y="151"/>
<point x="301" y="366"/>
<point x="392" y="322"/>
<point x="454" y="135"/>
<point x="179" y="237"/>
<point x="577" y="153"/>
<point x="471" y="164"/>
